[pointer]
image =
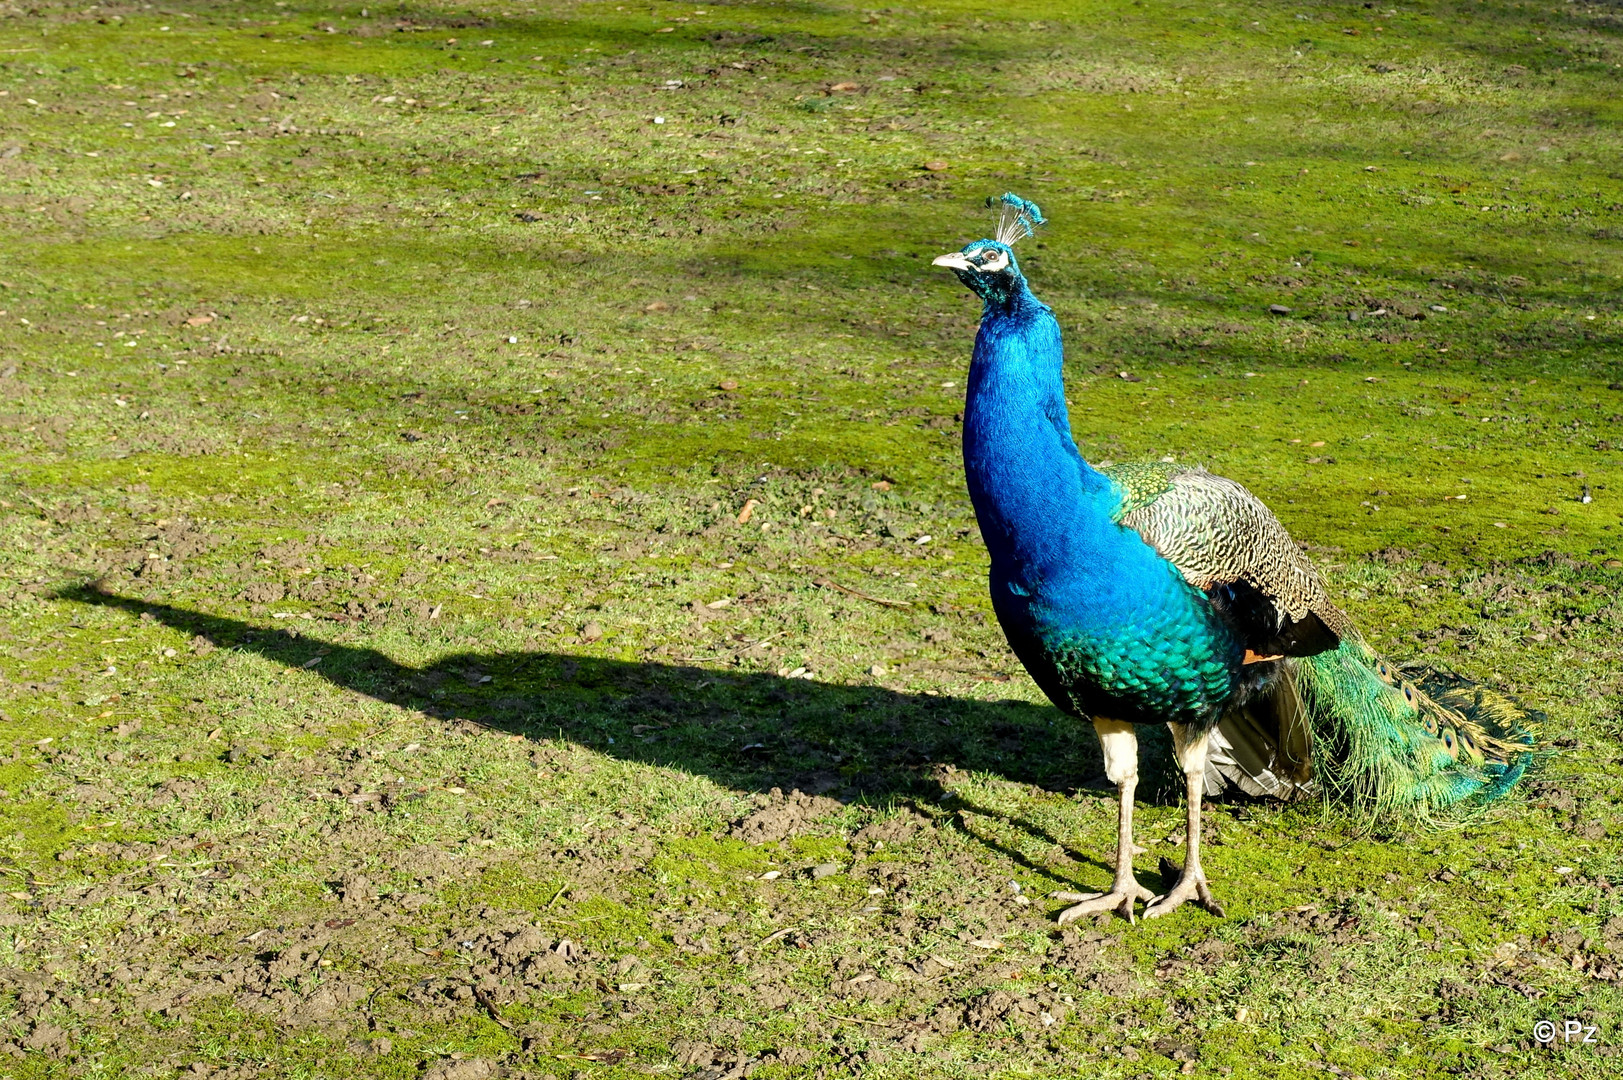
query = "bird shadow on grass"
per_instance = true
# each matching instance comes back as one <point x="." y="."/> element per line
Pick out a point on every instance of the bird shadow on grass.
<point x="750" y="731"/>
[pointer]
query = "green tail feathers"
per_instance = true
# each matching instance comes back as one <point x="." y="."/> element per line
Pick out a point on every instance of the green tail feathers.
<point x="1396" y="745"/>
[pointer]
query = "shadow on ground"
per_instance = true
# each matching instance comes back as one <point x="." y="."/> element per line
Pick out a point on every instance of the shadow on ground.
<point x="749" y="731"/>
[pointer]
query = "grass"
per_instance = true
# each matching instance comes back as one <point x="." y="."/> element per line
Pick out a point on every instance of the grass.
<point x="390" y="688"/>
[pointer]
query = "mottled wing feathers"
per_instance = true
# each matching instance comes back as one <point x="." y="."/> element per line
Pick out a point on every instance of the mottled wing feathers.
<point x="1226" y="543"/>
<point x="1337" y="719"/>
<point x="1141" y="482"/>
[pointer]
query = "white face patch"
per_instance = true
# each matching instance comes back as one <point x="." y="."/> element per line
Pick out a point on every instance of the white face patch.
<point x="994" y="260"/>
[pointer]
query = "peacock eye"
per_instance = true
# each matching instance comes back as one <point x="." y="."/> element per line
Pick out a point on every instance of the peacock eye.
<point x="991" y="259"/>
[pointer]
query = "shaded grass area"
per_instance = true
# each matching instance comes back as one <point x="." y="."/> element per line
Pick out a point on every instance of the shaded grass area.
<point x="389" y="683"/>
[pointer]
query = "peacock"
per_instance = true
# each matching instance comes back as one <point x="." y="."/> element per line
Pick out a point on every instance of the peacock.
<point x="1160" y="593"/>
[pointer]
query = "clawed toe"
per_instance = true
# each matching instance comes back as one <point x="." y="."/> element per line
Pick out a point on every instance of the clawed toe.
<point x="1119" y="900"/>
<point x="1188" y="888"/>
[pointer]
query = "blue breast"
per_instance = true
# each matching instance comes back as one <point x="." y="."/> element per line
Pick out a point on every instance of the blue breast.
<point x="1105" y="625"/>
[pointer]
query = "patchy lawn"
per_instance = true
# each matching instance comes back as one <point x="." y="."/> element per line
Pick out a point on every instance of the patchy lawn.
<point x="486" y="585"/>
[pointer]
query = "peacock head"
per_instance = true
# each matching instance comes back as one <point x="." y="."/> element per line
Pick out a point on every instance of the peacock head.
<point x="988" y="267"/>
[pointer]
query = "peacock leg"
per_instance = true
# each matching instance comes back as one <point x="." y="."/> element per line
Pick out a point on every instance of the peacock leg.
<point x="1191" y="752"/>
<point x="1121" y="766"/>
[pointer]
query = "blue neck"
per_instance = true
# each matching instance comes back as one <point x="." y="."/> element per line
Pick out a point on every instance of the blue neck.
<point x="1043" y="511"/>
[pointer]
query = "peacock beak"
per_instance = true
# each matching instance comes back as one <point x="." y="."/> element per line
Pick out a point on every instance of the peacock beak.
<point x="953" y="260"/>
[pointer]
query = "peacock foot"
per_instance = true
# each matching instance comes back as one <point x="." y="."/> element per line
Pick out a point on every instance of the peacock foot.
<point x="1119" y="899"/>
<point x="1189" y="887"/>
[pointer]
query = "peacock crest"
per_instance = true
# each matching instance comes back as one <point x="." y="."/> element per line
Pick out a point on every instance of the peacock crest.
<point x="1017" y="218"/>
